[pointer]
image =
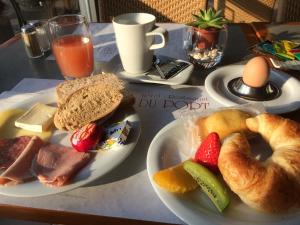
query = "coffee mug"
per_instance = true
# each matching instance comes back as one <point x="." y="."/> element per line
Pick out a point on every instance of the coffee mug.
<point x="135" y="36"/>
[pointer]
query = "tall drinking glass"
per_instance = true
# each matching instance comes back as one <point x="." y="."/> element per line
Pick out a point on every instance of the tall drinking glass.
<point x="72" y="46"/>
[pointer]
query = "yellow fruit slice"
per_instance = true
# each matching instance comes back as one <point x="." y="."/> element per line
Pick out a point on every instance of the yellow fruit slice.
<point x="175" y="179"/>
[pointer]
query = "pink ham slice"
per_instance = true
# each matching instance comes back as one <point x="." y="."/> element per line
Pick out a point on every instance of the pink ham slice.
<point x="11" y="148"/>
<point x="55" y="165"/>
<point x="18" y="158"/>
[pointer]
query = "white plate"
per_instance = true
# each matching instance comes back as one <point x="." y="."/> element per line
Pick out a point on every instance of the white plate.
<point x="104" y="161"/>
<point x="115" y="66"/>
<point x="195" y="207"/>
<point x="216" y="86"/>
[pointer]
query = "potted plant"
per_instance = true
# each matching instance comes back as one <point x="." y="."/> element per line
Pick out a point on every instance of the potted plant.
<point x="207" y="26"/>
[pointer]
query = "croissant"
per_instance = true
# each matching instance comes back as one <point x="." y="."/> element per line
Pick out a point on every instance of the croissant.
<point x="273" y="185"/>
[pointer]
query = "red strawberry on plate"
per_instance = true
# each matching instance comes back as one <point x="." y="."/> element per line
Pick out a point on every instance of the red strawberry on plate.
<point x="208" y="152"/>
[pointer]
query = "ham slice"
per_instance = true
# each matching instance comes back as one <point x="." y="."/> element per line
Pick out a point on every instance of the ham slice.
<point x="55" y="165"/>
<point x="17" y="158"/>
<point x="11" y="148"/>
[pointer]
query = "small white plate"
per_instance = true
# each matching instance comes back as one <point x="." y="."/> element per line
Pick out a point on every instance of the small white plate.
<point x="289" y="100"/>
<point x="115" y="66"/>
<point x="104" y="161"/>
<point x="195" y="207"/>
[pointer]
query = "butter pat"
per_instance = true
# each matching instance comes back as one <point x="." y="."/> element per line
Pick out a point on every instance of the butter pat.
<point x="38" y="118"/>
<point x="116" y="134"/>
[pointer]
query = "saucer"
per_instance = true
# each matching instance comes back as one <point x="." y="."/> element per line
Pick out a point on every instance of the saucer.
<point x="115" y="66"/>
<point x="216" y="85"/>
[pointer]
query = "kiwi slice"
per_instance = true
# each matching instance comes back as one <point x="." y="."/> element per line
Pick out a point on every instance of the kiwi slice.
<point x="209" y="184"/>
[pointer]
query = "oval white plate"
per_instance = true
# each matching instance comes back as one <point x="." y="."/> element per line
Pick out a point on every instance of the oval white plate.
<point x="195" y="207"/>
<point x="216" y="86"/>
<point x="104" y="161"/>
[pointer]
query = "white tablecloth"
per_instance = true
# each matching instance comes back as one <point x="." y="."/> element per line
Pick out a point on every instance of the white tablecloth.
<point x="126" y="191"/>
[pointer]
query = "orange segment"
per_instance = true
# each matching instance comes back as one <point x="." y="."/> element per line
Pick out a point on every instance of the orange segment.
<point x="175" y="179"/>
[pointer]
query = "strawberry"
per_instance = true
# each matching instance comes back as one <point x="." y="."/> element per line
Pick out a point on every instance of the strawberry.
<point x="208" y="152"/>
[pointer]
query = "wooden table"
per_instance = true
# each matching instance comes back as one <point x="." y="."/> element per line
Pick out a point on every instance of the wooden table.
<point x="14" y="65"/>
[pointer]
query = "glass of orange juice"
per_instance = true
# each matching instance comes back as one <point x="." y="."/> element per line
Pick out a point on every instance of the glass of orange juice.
<point x="72" y="46"/>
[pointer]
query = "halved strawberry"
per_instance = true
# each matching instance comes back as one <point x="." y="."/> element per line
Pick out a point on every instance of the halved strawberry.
<point x="208" y="152"/>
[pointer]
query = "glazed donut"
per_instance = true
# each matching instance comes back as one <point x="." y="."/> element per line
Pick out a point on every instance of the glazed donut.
<point x="270" y="186"/>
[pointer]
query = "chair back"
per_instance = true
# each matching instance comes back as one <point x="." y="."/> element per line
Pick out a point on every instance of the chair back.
<point x="175" y="11"/>
<point x="247" y="11"/>
<point x="289" y="11"/>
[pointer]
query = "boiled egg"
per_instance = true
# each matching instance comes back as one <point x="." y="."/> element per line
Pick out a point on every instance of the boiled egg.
<point x="256" y="72"/>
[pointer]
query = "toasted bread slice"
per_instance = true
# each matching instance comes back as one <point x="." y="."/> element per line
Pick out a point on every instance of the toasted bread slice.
<point x="68" y="87"/>
<point x="87" y="104"/>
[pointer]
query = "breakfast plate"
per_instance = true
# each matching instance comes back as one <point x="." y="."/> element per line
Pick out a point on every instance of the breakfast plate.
<point x="167" y="149"/>
<point x="115" y="66"/>
<point x="103" y="162"/>
<point x="217" y="81"/>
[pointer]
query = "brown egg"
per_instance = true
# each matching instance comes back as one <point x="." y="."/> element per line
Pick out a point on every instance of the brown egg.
<point x="256" y="72"/>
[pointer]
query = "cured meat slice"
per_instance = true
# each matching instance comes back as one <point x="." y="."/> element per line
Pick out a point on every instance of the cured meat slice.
<point x="11" y="148"/>
<point x="55" y="165"/>
<point x="20" y="155"/>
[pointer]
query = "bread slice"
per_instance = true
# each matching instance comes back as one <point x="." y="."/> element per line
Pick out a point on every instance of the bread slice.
<point x="68" y="87"/>
<point x="87" y="104"/>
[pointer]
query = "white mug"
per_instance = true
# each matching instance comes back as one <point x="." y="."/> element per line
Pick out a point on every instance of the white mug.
<point x="135" y="36"/>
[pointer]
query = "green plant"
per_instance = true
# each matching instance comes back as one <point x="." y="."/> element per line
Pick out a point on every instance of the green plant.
<point x="209" y="19"/>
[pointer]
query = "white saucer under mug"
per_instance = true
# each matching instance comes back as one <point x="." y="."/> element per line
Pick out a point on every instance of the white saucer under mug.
<point x="115" y="66"/>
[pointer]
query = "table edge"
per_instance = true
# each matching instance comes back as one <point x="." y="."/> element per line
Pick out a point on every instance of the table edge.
<point x="64" y="217"/>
